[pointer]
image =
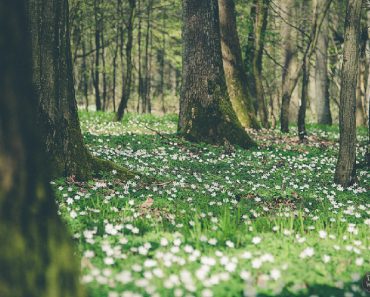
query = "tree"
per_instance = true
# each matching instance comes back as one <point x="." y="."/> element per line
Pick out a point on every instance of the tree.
<point x="53" y="79"/>
<point x="345" y="170"/>
<point x="126" y="87"/>
<point x="36" y="257"/>
<point x="254" y="57"/>
<point x="290" y="59"/>
<point x="235" y="74"/>
<point x="290" y="77"/>
<point x="206" y="113"/>
<point x="321" y="76"/>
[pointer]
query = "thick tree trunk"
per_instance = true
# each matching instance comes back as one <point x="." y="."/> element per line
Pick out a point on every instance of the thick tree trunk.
<point x="53" y="79"/>
<point x="206" y="113"/>
<point x="36" y="254"/>
<point x="345" y="171"/>
<point x="126" y="88"/>
<point x="321" y="76"/>
<point x="235" y="74"/>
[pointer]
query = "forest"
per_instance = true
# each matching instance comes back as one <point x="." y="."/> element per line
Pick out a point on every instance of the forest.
<point x="184" y="148"/>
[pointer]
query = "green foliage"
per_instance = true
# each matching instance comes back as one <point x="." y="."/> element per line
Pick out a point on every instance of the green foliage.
<point x="267" y="220"/>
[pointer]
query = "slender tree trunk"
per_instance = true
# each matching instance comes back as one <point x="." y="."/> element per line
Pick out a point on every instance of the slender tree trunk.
<point x="321" y="76"/>
<point x="145" y="84"/>
<point x="140" y="79"/>
<point x="361" y="100"/>
<point x="104" y="70"/>
<point x="206" y="113"/>
<point x="304" y="98"/>
<point x="126" y="88"/>
<point x="345" y="171"/>
<point x="85" y="76"/>
<point x="162" y="55"/>
<point x="289" y="43"/>
<point x="148" y="78"/>
<point x="235" y="74"/>
<point x="36" y="254"/>
<point x="97" y="57"/>
<point x="115" y="56"/>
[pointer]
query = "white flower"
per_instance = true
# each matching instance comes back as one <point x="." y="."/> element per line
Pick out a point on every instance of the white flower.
<point x="230" y="244"/>
<point x="359" y="261"/>
<point x="275" y="274"/>
<point x="245" y="275"/>
<point x="247" y="255"/>
<point x="322" y="234"/>
<point x="108" y="261"/>
<point x="207" y="293"/>
<point x="256" y="263"/>
<point x="307" y="252"/>
<point x="73" y="214"/>
<point x="326" y="258"/>
<point x="164" y="241"/>
<point x="212" y="241"/>
<point x="256" y="240"/>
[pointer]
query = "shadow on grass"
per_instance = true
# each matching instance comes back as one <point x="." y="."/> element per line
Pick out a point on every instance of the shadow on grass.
<point x="349" y="289"/>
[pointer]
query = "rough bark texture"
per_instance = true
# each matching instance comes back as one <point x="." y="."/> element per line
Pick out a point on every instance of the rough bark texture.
<point x="321" y="76"/>
<point x="290" y="60"/>
<point x="206" y="113"/>
<point x="36" y="254"/>
<point x="361" y="99"/>
<point x="53" y="79"/>
<point x="235" y="74"/>
<point x="126" y="88"/>
<point x="345" y="170"/>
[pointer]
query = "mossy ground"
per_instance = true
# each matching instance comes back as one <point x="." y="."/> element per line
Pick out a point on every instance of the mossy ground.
<point x="261" y="222"/>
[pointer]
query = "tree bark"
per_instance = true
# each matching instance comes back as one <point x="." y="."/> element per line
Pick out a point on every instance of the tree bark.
<point x="206" y="113"/>
<point x="36" y="254"/>
<point x="97" y="56"/>
<point x="53" y="79"/>
<point x="361" y="100"/>
<point x="126" y="88"/>
<point x="235" y="74"/>
<point x="290" y="59"/>
<point x="321" y="76"/>
<point x="345" y="171"/>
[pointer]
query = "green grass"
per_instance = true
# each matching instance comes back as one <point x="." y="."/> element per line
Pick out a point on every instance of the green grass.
<point x="262" y="222"/>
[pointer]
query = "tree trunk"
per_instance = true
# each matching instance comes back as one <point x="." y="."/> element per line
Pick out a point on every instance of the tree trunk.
<point x="85" y="76"/>
<point x="259" y="39"/>
<point x="321" y="76"/>
<point x="235" y="74"/>
<point x="145" y="100"/>
<point x="140" y="78"/>
<point x="126" y="88"/>
<point x="361" y="100"/>
<point x="52" y="76"/>
<point x="304" y="98"/>
<point x="104" y="70"/>
<point x="206" y="113"/>
<point x="97" y="57"/>
<point x="346" y="166"/>
<point x="289" y="41"/>
<point x="36" y="254"/>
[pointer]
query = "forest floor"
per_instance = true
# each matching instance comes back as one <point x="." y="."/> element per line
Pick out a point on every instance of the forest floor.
<point x="217" y="221"/>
